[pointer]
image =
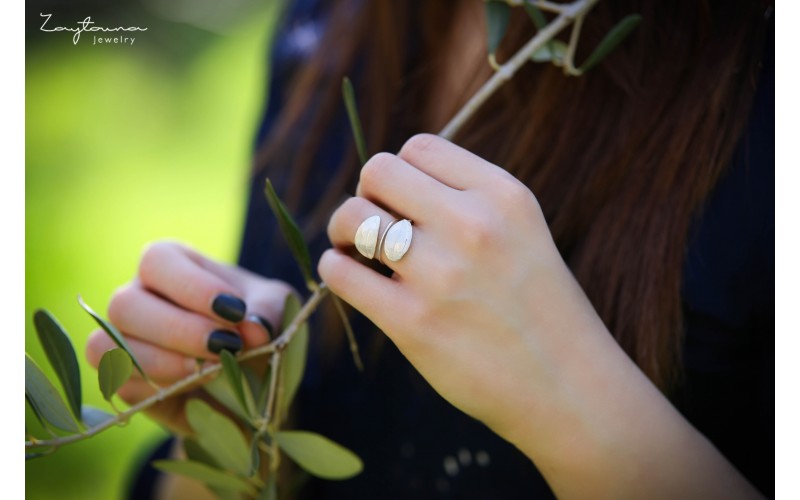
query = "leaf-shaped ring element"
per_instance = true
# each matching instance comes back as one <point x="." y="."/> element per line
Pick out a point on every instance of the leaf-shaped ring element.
<point x="366" y="239"/>
<point x="397" y="239"/>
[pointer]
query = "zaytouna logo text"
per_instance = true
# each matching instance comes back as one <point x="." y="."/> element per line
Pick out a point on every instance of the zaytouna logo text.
<point x="89" y="26"/>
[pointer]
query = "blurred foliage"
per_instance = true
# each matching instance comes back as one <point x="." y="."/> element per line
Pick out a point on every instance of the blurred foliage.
<point x="126" y="145"/>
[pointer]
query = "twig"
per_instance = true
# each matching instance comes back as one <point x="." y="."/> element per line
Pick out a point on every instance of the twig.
<point x="351" y="336"/>
<point x="569" y="57"/>
<point x="273" y="392"/>
<point x="308" y="308"/>
<point x="567" y="14"/>
<point x="542" y="4"/>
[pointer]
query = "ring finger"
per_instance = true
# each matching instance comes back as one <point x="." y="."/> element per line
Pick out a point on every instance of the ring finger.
<point x="349" y="216"/>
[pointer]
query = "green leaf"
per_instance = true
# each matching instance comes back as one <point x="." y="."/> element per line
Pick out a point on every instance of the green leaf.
<point x="613" y="38"/>
<point x="219" y="436"/>
<point x="196" y="453"/>
<point x="349" y="96"/>
<point x="319" y="455"/>
<point x="535" y="14"/>
<point x="112" y="332"/>
<point x="497" y="15"/>
<point x="233" y="375"/>
<point x="293" y="362"/>
<point x="114" y="370"/>
<point x="270" y="490"/>
<point x="252" y="387"/>
<point x="204" y="473"/>
<point x="92" y="416"/>
<point x="291" y="232"/>
<point x="548" y="52"/>
<point x="263" y="393"/>
<point x="255" y="456"/>
<point x="555" y="51"/>
<point x="45" y="400"/>
<point x="58" y="348"/>
<point x="220" y="390"/>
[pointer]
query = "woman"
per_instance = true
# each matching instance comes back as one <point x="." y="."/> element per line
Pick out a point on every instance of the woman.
<point x="600" y="307"/>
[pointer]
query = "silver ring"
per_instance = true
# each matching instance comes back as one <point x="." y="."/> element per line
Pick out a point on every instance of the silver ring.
<point x="383" y="238"/>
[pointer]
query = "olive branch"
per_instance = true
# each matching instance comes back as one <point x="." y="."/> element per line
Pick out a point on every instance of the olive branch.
<point x="218" y="453"/>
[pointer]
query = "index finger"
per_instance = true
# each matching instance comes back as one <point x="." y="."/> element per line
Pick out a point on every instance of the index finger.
<point x="446" y="162"/>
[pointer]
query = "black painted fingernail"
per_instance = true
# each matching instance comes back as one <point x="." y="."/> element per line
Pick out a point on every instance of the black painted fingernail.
<point x="229" y="307"/>
<point x="265" y="323"/>
<point x="220" y="340"/>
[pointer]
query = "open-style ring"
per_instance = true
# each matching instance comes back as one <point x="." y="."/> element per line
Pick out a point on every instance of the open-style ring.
<point x="383" y="238"/>
<point x="366" y="239"/>
<point x="397" y="239"/>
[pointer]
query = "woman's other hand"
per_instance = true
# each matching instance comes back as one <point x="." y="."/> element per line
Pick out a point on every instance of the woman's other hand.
<point x="183" y="307"/>
<point x="483" y="305"/>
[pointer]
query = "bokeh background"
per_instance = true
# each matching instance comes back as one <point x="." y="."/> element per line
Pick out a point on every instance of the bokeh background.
<point x="126" y="145"/>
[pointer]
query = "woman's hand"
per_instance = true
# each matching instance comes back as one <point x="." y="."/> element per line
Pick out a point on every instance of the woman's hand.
<point x="482" y="299"/>
<point x="182" y="307"/>
<point x="483" y="305"/>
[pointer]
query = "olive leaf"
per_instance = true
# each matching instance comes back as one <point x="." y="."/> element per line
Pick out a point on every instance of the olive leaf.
<point x="208" y="475"/>
<point x="293" y="362"/>
<point x="554" y="51"/>
<point x="114" y="370"/>
<point x="58" y="348"/>
<point x="240" y="387"/>
<point x="319" y="455"/>
<point x="93" y="417"/>
<point x="196" y="453"/>
<point x="613" y="38"/>
<point x="497" y="16"/>
<point x="219" y="436"/>
<point x="291" y="232"/>
<point x="349" y="96"/>
<point x="548" y="52"/>
<point x="45" y="400"/>
<point x="255" y="456"/>
<point x="112" y="332"/>
<point x="219" y="389"/>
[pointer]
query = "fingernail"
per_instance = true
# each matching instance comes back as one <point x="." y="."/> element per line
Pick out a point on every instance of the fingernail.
<point x="263" y="322"/>
<point x="220" y="340"/>
<point x="229" y="307"/>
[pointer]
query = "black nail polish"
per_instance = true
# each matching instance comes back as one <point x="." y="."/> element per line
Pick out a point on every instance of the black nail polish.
<point x="229" y="307"/>
<point x="220" y="340"/>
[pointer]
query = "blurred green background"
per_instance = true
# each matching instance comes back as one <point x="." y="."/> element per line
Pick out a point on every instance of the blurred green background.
<point x="127" y="145"/>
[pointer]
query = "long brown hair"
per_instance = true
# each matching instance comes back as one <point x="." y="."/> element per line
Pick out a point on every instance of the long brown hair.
<point x="620" y="159"/>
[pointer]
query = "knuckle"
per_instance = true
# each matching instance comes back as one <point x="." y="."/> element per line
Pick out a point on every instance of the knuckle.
<point x="152" y="255"/>
<point x="418" y="144"/>
<point x="374" y="170"/>
<point x="511" y="189"/>
<point x="119" y="302"/>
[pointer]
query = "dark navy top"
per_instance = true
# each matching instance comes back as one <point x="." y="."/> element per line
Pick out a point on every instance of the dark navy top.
<point x="416" y="445"/>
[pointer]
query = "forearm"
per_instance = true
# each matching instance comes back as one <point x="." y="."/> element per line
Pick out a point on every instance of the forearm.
<point x="607" y="432"/>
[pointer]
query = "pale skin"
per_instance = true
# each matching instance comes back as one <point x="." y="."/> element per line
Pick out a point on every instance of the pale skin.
<point x="482" y="305"/>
